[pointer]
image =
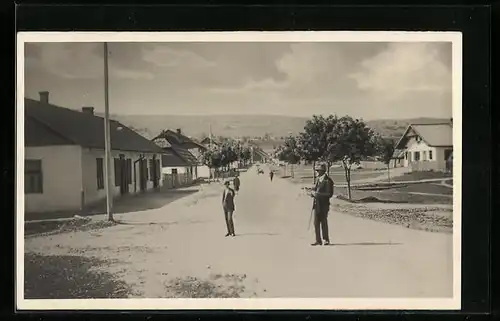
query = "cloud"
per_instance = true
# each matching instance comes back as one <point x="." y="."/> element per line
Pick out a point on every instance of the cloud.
<point x="77" y="61"/>
<point x="404" y="68"/>
<point x="163" y="56"/>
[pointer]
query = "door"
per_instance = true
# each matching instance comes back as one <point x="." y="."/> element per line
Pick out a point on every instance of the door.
<point x="124" y="177"/>
<point x="175" y="178"/>
<point x="157" y="173"/>
<point x="143" y="171"/>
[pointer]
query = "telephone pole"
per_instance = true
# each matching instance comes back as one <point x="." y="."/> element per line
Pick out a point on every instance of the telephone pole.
<point x="107" y="139"/>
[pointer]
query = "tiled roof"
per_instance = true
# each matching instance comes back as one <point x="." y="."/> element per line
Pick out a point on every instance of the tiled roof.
<point x="81" y="128"/>
<point x="37" y="134"/>
<point x="435" y="135"/>
<point x="398" y="153"/>
<point x="206" y="140"/>
<point x="185" y="155"/>
<point x="170" y="158"/>
<point x="175" y="138"/>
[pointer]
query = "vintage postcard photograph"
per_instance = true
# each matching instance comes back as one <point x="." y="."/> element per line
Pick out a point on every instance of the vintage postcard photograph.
<point x="239" y="170"/>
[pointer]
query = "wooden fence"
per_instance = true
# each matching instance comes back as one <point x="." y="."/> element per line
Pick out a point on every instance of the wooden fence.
<point x="177" y="180"/>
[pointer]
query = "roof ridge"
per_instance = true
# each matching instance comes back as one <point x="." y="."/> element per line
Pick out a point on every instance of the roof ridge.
<point x="69" y="109"/>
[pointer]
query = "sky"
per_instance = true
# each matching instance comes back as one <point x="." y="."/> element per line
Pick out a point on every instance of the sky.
<point x="368" y="80"/>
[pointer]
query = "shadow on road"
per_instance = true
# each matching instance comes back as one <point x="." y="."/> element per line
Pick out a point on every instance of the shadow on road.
<point x="124" y="204"/>
<point x="363" y="244"/>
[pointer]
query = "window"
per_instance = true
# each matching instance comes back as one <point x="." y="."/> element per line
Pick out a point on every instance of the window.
<point x="117" y="172"/>
<point x="100" y="173"/>
<point x="406" y="155"/>
<point x="430" y="155"/>
<point x="424" y="155"/>
<point x="416" y="156"/>
<point x="33" y="179"/>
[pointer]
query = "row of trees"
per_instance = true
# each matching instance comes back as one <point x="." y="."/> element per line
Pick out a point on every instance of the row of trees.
<point x="332" y="139"/>
<point x="221" y="157"/>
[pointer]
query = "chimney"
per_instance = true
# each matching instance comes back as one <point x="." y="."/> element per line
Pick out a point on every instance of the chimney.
<point x="179" y="131"/>
<point x="44" y="97"/>
<point x="88" y="110"/>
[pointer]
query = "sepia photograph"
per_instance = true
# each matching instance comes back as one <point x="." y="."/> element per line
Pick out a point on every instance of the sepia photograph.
<point x="239" y="170"/>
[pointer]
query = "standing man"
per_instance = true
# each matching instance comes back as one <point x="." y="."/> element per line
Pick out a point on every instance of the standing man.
<point x="271" y="175"/>
<point x="322" y="193"/>
<point x="236" y="183"/>
<point x="228" y="207"/>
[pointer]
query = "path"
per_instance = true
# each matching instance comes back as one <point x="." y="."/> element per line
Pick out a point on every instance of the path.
<point x="271" y="250"/>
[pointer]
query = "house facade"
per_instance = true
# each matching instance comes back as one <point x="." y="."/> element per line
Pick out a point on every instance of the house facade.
<point x="427" y="147"/>
<point x="176" y="171"/>
<point x="180" y="167"/>
<point x="64" y="159"/>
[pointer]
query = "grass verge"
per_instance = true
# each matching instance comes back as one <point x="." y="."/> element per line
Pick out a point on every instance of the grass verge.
<point x="69" y="277"/>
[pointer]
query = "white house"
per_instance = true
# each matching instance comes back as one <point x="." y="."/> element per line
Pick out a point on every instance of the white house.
<point x="64" y="158"/>
<point x="427" y="147"/>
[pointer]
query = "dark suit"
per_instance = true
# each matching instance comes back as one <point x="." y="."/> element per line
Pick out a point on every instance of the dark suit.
<point x="236" y="182"/>
<point x="321" y="206"/>
<point x="228" y="206"/>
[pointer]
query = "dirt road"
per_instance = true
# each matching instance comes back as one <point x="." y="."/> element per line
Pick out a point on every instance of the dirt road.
<point x="179" y="249"/>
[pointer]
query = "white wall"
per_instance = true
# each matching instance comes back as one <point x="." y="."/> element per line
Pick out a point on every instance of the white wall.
<point x="421" y="147"/>
<point x="437" y="154"/>
<point x="61" y="176"/>
<point x="203" y="171"/>
<point x="89" y="166"/>
<point x="168" y="170"/>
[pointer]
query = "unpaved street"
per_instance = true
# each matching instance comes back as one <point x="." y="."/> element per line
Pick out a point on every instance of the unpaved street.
<point x="166" y="252"/>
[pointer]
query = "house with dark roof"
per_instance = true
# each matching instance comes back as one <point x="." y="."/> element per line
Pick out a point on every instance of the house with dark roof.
<point x="210" y="142"/>
<point x="187" y="154"/>
<point x="427" y="146"/>
<point x="64" y="158"/>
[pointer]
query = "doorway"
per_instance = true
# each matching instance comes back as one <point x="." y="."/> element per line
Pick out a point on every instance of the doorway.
<point x="175" y="178"/>
<point x="156" y="172"/>
<point x="124" y="173"/>
<point x="143" y="172"/>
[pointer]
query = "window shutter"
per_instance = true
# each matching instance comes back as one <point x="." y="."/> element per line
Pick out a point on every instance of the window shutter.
<point x="117" y="171"/>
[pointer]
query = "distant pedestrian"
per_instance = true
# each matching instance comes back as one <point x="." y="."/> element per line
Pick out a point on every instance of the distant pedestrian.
<point x="228" y="207"/>
<point x="271" y="175"/>
<point x="322" y="193"/>
<point x="236" y="183"/>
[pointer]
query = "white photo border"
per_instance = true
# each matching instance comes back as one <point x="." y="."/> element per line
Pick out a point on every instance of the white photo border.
<point x="453" y="303"/>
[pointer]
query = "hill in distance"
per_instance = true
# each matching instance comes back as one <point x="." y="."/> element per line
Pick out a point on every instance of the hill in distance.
<point x="251" y="126"/>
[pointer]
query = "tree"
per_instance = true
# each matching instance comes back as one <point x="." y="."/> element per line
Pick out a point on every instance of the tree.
<point x="212" y="159"/>
<point x="349" y="141"/>
<point x="246" y="155"/>
<point x="386" y="151"/>
<point x="314" y="140"/>
<point x="289" y="151"/>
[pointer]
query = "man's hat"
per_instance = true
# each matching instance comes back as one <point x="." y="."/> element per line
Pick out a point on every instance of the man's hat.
<point x="320" y="167"/>
<point x="227" y="182"/>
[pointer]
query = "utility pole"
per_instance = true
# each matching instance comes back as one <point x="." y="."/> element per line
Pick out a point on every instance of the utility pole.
<point x="107" y="139"/>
